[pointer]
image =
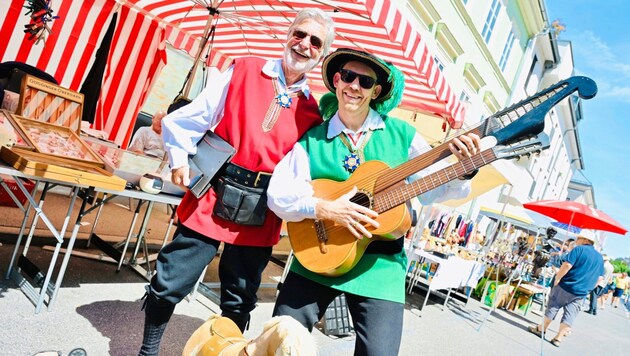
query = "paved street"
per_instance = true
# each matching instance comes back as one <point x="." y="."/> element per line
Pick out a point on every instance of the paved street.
<point x="99" y="310"/>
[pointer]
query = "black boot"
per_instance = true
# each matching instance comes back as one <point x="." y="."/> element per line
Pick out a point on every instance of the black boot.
<point x="157" y="313"/>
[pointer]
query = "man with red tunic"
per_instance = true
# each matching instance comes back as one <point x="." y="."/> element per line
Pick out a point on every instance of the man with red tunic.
<point x="261" y="108"/>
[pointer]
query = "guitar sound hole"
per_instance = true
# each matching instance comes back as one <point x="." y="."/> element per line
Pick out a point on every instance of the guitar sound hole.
<point x="362" y="199"/>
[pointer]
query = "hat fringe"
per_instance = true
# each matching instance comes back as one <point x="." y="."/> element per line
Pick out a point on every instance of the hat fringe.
<point x="397" y="78"/>
<point x="328" y="105"/>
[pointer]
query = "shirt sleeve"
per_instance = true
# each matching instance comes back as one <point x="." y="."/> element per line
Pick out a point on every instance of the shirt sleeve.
<point x="572" y="256"/>
<point x="183" y="128"/>
<point x="455" y="189"/>
<point x="290" y="193"/>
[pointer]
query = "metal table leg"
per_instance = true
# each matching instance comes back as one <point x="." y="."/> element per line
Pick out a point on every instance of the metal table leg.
<point x="27" y="212"/>
<point x="126" y="244"/>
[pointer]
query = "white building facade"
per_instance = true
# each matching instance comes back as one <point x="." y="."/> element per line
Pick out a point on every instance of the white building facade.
<point x="495" y="53"/>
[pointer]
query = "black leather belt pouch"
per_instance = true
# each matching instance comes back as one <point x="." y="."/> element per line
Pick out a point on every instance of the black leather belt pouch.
<point x="239" y="203"/>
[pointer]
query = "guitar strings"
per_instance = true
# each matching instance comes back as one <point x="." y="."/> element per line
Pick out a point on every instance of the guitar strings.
<point x="469" y="164"/>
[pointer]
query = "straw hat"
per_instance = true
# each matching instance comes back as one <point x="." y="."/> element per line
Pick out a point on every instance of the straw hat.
<point x="390" y="78"/>
<point x="334" y="61"/>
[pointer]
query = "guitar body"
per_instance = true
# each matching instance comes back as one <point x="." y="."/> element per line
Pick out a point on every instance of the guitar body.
<point x="341" y="250"/>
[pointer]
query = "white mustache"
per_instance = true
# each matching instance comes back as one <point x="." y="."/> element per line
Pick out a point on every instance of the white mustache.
<point x="297" y="49"/>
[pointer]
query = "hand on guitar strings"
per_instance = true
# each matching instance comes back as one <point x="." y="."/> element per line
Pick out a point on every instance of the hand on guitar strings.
<point x="465" y="146"/>
<point x="345" y="213"/>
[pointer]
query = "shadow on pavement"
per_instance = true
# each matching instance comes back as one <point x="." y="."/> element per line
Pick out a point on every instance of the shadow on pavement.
<point x="122" y="323"/>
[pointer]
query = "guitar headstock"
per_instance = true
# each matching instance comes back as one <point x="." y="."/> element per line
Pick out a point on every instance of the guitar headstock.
<point x="527" y="118"/>
<point x="528" y="146"/>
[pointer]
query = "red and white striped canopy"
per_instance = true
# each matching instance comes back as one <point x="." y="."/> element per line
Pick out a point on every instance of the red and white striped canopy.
<point x="243" y="28"/>
<point x="259" y="28"/>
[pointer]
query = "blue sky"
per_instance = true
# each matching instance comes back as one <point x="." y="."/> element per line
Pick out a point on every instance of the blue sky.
<point x="598" y="31"/>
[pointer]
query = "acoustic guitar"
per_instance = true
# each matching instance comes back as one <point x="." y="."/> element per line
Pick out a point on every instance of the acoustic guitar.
<point x="326" y="248"/>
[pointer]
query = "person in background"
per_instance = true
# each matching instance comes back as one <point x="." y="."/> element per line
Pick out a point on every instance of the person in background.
<point x="621" y="285"/>
<point x="606" y="294"/>
<point x="260" y="107"/>
<point x="148" y="139"/>
<point x="358" y="130"/>
<point x="581" y="270"/>
<point x="601" y="287"/>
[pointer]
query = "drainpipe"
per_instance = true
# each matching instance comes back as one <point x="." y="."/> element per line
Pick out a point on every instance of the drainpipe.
<point x="552" y="36"/>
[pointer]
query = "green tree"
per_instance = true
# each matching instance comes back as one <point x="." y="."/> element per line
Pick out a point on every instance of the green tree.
<point x="620" y="266"/>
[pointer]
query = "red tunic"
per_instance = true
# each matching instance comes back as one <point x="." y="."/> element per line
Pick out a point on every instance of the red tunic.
<point x="249" y="95"/>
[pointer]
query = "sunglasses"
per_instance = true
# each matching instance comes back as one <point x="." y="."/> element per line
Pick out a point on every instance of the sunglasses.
<point x="315" y="41"/>
<point x="365" y="81"/>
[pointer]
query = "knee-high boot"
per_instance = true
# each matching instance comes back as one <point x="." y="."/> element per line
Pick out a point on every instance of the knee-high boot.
<point x="157" y="313"/>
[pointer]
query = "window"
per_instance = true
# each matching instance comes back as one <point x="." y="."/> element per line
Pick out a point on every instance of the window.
<point x="473" y="78"/>
<point x="425" y="12"/>
<point x="447" y="42"/>
<point x="439" y="63"/>
<point x="490" y="102"/>
<point x="506" y="50"/>
<point x="491" y="20"/>
<point x="464" y="97"/>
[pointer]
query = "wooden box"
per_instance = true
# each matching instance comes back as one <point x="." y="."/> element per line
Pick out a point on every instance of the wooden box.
<point x="47" y="102"/>
<point x="7" y="122"/>
<point x="59" y="142"/>
<point x="64" y="170"/>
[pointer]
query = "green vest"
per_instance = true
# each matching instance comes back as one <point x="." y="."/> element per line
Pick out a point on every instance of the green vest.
<point x="376" y="275"/>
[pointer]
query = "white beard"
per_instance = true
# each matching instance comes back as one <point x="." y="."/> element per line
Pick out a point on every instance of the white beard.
<point x="298" y="66"/>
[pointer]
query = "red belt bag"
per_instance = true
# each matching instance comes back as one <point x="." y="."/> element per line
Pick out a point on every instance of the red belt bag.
<point x="244" y="204"/>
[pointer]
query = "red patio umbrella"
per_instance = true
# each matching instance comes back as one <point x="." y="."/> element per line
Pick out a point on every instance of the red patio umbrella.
<point x="576" y="214"/>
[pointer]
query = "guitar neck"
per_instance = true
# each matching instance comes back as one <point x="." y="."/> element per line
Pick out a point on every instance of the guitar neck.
<point x="394" y="197"/>
<point x="421" y="162"/>
<point x="530" y="112"/>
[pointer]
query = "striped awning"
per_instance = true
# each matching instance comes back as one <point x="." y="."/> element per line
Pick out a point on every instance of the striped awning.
<point x="70" y="49"/>
<point x="243" y="28"/>
<point x="259" y="28"/>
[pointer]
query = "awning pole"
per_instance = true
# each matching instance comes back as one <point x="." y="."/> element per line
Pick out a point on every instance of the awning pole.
<point x="202" y="46"/>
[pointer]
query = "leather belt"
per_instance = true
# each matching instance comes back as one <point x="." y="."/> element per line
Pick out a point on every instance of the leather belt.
<point x="246" y="177"/>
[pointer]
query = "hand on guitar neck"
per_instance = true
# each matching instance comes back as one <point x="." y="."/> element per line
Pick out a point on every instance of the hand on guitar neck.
<point x="465" y="146"/>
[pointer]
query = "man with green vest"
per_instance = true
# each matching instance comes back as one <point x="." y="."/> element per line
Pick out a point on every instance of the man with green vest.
<point x="357" y="130"/>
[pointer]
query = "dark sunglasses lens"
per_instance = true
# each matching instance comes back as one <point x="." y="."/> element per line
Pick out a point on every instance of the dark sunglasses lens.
<point x="299" y="34"/>
<point x="315" y="41"/>
<point x="366" y="82"/>
<point x="349" y="76"/>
